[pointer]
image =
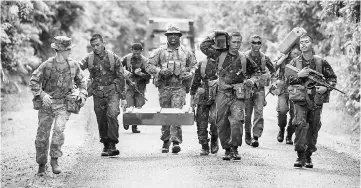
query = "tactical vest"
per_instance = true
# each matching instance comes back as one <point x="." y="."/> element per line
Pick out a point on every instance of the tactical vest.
<point x="263" y="59"/>
<point x="48" y="67"/>
<point x="223" y="56"/>
<point x="178" y="63"/>
<point x="318" y="61"/>
<point x="129" y="66"/>
<point x="110" y="56"/>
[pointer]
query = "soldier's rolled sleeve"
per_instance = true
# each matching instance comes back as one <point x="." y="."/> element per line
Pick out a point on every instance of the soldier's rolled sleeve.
<point x="35" y="81"/>
<point x="328" y="73"/>
<point x="192" y="62"/>
<point x="207" y="49"/>
<point x="151" y="66"/>
<point x="80" y="81"/>
<point x="196" y="81"/>
<point x="121" y="76"/>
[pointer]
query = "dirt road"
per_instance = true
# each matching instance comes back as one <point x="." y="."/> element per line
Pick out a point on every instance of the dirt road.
<point x="141" y="163"/>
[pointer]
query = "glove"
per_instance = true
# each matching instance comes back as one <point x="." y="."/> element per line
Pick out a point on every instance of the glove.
<point x="165" y="72"/>
<point x="123" y="104"/>
<point x="303" y="73"/>
<point x="248" y="83"/>
<point x="185" y="75"/>
<point x="321" y="89"/>
<point x="47" y="100"/>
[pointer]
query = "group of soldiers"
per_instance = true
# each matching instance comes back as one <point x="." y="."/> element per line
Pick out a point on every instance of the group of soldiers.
<point x="225" y="88"/>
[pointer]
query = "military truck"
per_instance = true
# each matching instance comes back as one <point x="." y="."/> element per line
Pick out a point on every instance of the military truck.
<point x="158" y="26"/>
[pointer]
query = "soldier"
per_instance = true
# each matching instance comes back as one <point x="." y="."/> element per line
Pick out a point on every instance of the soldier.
<point x="134" y="63"/>
<point x="283" y="104"/>
<point x="52" y="84"/>
<point x="257" y="99"/>
<point x="173" y="67"/>
<point x="107" y="87"/>
<point x="308" y="100"/>
<point x="235" y="71"/>
<point x="203" y="92"/>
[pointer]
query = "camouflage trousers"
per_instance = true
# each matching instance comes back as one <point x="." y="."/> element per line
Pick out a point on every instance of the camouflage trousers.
<point x="59" y="116"/>
<point x="255" y="102"/>
<point x="107" y="110"/>
<point x="134" y="98"/>
<point x="284" y="106"/>
<point x="307" y="122"/>
<point x="230" y="118"/>
<point x="172" y="98"/>
<point x="204" y="113"/>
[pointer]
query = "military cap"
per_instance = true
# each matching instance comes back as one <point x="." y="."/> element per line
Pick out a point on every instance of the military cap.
<point x="173" y="29"/>
<point x="62" y="43"/>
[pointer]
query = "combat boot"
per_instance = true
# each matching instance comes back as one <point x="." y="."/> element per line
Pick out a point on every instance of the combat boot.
<point x="205" y="149"/>
<point x="308" y="163"/>
<point x="227" y="155"/>
<point x="254" y="142"/>
<point x="214" y="145"/>
<point x="54" y="165"/>
<point x="165" y="147"/>
<point x="235" y="155"/>
<point x="112" y="151"/>
<point x="248" y="138"/>
<point x="289" y="140"/>
<point x="41" y="170"/>
<point x="126" y="127"/>
<point x="105" y="151"/>
<point x="176" y="148"/>
<point x="281" y="135"/>
<point x="300" y="162"/>
<point x="135" y="129"/>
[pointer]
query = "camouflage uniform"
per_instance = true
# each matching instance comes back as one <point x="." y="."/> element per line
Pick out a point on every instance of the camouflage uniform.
<point x="307" y="120"/>
<point x="206" y="102"/>
<point x="108" y="85"/>
<point x="283" y="104"/>
<point x="132" y="96"/>
<point x="172" y="89"/>
<point x="256" y="102"/>
<point x="57" y="81"/>
<point x="230" y="110"/>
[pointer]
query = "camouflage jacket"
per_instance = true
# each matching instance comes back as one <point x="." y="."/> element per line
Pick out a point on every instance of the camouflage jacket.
<point x="57" y="80"/>
<point x="234" y="69"/>
<point x="101" y="71"/>
<point x="162" y="57"/>
<point x="131" y="64"/>
<point x="210" y="74"/>
<point x="327" y="71"/>
<point x="281" y="68"/>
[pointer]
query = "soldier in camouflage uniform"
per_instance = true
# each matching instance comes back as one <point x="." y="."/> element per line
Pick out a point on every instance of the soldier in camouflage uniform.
<point x="134" y="63"/>
<point x="307" y="120"/>
<point x="235" y="71"/>
<point x="257" y="100"/>
<point x="108" y="88"/>
<point x="283" y="104"/>
<point x="51" y="83"/>
<point x="204" y="88"/>
<point x="173" y="67"/>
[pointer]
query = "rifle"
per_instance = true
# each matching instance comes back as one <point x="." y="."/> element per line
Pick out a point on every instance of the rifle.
<point x="135" y="88"/>
<point x="315" y="77"/>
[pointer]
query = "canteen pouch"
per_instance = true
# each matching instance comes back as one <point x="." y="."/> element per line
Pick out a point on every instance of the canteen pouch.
<point x="241" y="91"/>
<point x="72" y="105"/>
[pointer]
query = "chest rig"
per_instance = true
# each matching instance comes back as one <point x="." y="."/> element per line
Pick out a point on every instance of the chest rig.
<point x="54" y="77"/>
<point x="174" y="60"/>
<point x="99" y="72"/>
